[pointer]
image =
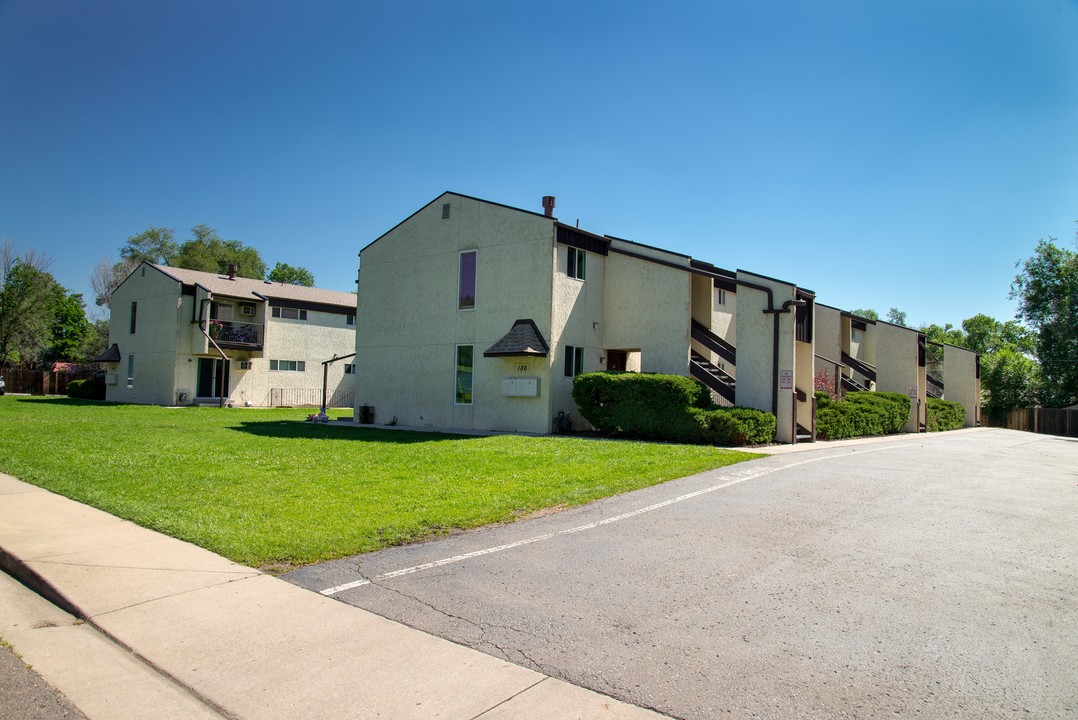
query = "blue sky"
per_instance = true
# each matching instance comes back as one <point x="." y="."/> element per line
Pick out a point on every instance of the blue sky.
<point x="881" y="154"/>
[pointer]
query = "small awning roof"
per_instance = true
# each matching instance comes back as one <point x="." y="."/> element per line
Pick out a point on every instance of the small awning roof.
<point x="110" y="355"/>
<point x="524" y="339"/>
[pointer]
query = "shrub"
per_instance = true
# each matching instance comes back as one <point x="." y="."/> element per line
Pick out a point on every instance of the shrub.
<point x="86" y="389"/>
<point x="673" y="408"/>
<point x="945" y="415"/>
<point x="861" y="414"/>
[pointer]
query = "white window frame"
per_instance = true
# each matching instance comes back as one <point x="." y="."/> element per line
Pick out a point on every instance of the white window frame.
<point x="284" y="313"/>
<point x="296" y="366"/>
<point x="576" y="264"/>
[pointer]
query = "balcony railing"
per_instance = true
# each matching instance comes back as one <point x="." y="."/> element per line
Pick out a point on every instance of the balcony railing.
<point x="236" y="334"/>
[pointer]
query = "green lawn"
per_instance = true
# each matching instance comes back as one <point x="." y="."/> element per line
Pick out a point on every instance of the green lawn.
<point x="265" y="488"/>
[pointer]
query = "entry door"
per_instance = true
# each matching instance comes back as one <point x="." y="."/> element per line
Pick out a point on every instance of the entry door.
<point x="212" y="378"/>
<point x="616" y="360"/>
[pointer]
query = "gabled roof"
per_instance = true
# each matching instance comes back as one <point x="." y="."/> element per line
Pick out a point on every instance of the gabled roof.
<point x="460" y="195"/>
<point x="524" y="339"/>
<point x="254" y="289"/>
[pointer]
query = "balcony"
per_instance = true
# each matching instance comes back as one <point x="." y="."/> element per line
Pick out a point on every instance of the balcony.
<point x="237" y="335"/>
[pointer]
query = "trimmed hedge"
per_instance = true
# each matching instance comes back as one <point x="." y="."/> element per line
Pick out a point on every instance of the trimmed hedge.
<point x="671" y="408"/>
<point x="945" y="415"/>
<point x="860" y="414"/>
<point x="86" y="389"/>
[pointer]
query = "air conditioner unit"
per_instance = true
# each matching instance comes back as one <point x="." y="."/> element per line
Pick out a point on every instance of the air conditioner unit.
<point x="247" y="310"/>
<point x="245" y="364"/>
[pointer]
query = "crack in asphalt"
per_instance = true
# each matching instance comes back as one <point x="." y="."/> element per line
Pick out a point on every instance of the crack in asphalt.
<point x="486" y="630"/>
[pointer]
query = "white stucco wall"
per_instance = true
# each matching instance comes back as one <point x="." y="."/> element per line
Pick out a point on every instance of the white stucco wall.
<point x="154" y="342"/>
<point x="896" y="367"/>
<point x="755" y="350"/>
<point x="961" y="383"/>
<point x="829" y="344"/>
<point x="647" y="306"/>
<point x="409" y="325"/>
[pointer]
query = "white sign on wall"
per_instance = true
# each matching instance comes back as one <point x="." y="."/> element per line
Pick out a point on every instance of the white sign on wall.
<point x="520" y="387"/>
<point x="786" y="380"/>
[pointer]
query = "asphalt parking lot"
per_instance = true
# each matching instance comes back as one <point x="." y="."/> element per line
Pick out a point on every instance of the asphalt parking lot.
<point x="931" y="576"/>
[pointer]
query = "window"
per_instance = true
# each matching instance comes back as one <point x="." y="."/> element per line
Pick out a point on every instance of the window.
<point x="130" y="370"/>
<point x="288" y="366"/>
<point x="577" y="263"/>
<point x="720" y="297"/>
<point x="574" y="361"/>
<point x="350" y="369"/>
<point x="445" y="211"/>
<point x="134" y="314"/>
<point x="466" y="281"/>
<point x="350" y="320"/>
<point x="287" y="313"/>
<point x="464" y="375"/>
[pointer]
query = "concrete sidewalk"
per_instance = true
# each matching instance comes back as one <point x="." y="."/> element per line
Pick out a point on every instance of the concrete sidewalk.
<point x="175" y="631"/>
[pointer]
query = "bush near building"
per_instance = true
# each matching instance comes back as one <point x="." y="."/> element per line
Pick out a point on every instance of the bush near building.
<point x="93" y="389"/>
<point x="672" y="408"/>
<point x="860" y="414"/>
<point x="945" y="415"/>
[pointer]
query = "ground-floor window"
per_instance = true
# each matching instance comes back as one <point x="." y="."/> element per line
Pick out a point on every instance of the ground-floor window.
<point x="464" y="375"/>
<point x="574" y="360"/>
<point x="288" y="366"/>
<point x="131" y="369"/>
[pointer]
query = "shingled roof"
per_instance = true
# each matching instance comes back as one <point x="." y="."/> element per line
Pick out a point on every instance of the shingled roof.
<point x="242" y="287"/>
<point x="524" y="339"/>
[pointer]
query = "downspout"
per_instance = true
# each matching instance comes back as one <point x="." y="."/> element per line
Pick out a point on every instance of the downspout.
<point x="770" y="310"/>
<point x="785" y="309"/>
<point x="202" y="327"/>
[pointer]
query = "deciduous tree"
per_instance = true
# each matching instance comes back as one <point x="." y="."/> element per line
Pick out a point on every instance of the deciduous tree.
<point x="1047" y="291"/>
<point x="289" y="275"/>
<point x="208" y="252"/>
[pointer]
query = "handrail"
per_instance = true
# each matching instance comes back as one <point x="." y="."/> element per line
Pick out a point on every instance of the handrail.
<point x="707" y="376"/>
<point x="703" y="335"/>
<point x="861" y="367"/>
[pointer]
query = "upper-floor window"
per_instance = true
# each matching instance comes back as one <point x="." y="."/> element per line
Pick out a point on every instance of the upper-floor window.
<point x="574" y="360"/>
<point x="577" y="263"/>
<point x="466" y="281"/>
<point x="287" y="313"/>
<point x="350" y="369"/>
<point x="288" y="366"/>
<point x="350" y="320"/>
<point x="134" y="314"/>
<point x="720" y="297"/>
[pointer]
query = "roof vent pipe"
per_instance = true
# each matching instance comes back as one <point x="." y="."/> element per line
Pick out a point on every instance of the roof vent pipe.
<point x="232" y="271"/>
<point x="548" y="205"/>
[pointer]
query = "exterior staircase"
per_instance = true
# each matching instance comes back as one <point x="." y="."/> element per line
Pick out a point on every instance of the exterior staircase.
<point x="714" y="377"/>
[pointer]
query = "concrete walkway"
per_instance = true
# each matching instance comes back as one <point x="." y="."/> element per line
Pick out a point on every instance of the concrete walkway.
<point x="150" y="626"/>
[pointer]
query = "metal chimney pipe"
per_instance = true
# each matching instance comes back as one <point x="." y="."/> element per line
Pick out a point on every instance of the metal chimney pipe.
<point x="548" y="205"/>
<point x="232" y="271"/>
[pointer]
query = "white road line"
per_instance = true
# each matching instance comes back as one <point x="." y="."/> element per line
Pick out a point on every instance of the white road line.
<point x="590" y="526"/>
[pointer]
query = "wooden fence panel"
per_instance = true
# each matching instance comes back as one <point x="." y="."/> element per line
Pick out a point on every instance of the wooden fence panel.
<point x="40" y="382"/>
<point x="1045" y="421"/>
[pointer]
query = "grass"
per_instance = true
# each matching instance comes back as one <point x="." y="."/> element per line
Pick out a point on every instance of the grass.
<point x="267" y="489"/>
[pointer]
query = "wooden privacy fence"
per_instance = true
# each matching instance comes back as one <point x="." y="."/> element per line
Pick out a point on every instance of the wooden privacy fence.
<point x="1046" y="421"/>
<point x="40" y="382"/>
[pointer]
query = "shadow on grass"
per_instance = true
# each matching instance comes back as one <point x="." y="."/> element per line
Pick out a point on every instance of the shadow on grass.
<point x="55" y="400"/>
<point x="297" y="429"/>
